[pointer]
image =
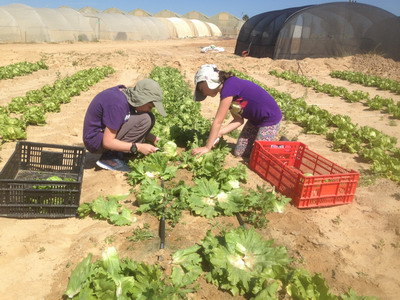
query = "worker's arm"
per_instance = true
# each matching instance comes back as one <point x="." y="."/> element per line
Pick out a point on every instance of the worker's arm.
<point x="223" y="108"/>
<point x="111" y="142"/>
<point x="235" y="123"/>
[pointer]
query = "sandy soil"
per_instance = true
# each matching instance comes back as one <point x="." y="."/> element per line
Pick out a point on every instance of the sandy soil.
<point x="355" y="245"/>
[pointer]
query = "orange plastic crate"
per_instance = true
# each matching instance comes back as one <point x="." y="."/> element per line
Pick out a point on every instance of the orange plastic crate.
<point x="283" y="164"/>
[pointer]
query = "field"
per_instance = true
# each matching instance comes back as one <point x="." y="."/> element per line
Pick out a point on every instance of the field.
<point x="353" y="246"/>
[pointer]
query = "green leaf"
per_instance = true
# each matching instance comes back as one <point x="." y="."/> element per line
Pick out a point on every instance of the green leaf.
<point x="84" y="210"/>
<point x="103" y="285"/>
<point x="124" y="217"/>
<point x="104" y="208"/>
<point x="107" y="209"/>
<point x="303" y="285"/>
<point x="270" y="292"/>
<point x="79" y="276"/>
<point x="186" y="266"/>
<point x="231" y="202"/>
<point x="351" y="295"/>
<point x="111" y="261"/>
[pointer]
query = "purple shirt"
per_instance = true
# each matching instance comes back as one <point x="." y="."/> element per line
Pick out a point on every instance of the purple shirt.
<point x="109" y="108"/>
<point x="251" y="102"/>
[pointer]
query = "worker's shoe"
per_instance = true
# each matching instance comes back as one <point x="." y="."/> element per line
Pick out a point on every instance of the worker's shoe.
<point x="113" y="160"/>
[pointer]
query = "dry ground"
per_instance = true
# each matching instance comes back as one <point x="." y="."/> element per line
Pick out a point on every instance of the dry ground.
<point x="355" y="245"/>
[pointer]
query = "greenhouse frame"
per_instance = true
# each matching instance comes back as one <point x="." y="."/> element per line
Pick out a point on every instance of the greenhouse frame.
<point x="20" y="23"/>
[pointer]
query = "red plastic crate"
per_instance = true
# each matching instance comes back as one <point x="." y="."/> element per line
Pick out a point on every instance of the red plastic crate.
<point x="283" y="164"/>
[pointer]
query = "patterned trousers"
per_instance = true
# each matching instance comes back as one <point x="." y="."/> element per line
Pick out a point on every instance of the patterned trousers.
<point x="250" y="134"/>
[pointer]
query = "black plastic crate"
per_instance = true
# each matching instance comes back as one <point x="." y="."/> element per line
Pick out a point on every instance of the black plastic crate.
<point x="24" y="190"/>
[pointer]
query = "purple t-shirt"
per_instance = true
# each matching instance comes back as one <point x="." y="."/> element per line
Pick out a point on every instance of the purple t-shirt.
<point x="109" y="108"/>
<point x="251" y="102"/>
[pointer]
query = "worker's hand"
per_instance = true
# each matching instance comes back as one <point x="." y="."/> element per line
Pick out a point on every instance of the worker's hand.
<point x="152" y="139"/>
<point x="146" y="149"/>
<point x="200" y="151"/>
<point x="156" y="140"/>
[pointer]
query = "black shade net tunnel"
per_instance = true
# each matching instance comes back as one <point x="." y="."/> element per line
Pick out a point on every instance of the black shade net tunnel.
<point x="327" y="30"/>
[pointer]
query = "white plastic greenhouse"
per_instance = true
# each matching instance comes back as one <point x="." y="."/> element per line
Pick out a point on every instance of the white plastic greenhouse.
<point x="22" y="23"/>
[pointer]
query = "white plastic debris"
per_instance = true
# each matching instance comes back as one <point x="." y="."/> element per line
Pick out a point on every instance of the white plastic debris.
<point x="212" y="48"/>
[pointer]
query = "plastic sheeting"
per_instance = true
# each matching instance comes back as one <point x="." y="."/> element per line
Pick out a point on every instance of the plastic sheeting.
<point x="201" y="28"/>
<point x="325" y="30"/>
<point x="390" y="47"/>
<point x="81" y="29"/>
<point x="9" y="27"/>
<point x="214" y="29"/>
<point x="22" y="23"/>
<point x="196" y="15"/>
<point x="258" y="35"/>
<point x="31" y="29"/>
<point x="222" y="24"/>
<point x="335" y="29"/>
<point x="183" y="27"/>
<point x="228" y="24"/>
<point x="139" y="12"/>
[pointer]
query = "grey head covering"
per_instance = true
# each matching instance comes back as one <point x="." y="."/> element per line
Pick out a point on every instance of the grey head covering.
<point x="145" y="91"/>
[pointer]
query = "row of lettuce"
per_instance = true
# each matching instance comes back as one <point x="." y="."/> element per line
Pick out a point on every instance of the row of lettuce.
<point x="32" y="108"/>
<point x="386" y="105"/>
<point x="385" y="84"/>
<point x="21" y="69"/>
<point x="239" y="261"/>
<point x="371" y="145"/>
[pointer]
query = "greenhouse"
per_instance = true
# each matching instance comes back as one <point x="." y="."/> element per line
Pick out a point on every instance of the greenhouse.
<point x="165" y="13"/>
<point x="139" y="12"/>
<point x="89" y="10"/>
<point x="196" y="15"/>
<point x="325" y="30"/>
<point x="22" y="23"/>
<point x="227" y="23"/>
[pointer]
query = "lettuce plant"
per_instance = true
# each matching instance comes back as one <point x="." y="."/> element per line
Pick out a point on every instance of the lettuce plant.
<point x="207" y="199"/>
<point x="116" y="279"/>
<point x="186" y="266"/>
<point x="303" y="285"/>
<point x="241" y="261"/>
<point x="107" y="209"/>
<point x="154" y="166"/>
<point x="170" y="149"/>
<point x="162" y="202"/>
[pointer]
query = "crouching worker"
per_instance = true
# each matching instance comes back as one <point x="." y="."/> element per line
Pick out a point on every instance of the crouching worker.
<point x="246" y="101"/>
<point x="119" y="120"/>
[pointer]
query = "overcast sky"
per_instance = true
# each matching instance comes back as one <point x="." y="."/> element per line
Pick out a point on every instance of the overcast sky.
<point x="207" y="7"/>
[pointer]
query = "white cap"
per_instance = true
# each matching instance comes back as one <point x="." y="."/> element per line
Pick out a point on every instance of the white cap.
<point x="208" y="73"/>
